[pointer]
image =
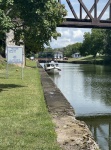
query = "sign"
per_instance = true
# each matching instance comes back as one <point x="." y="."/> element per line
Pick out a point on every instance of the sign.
<point x="14" y="54"/>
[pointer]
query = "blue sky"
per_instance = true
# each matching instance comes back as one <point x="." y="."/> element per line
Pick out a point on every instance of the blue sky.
<point x="73" y="35"/>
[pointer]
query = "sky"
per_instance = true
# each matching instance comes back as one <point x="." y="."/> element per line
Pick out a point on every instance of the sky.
<point x="74" y="35"/>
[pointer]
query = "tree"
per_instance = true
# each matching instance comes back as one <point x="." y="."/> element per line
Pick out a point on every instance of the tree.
<point x="86" y="46"/>
<point x="5" y="20"/>
<point x="76" y="47"/>
<point x="68" y="51"/>
<point x="107" y="42"/>
<point x="5" y="23"/>
<point x="93" y="42"/>
<point x="97" y="37"/>
<point x="34" y="21"/>
<point x="47" y="53"/>
<point x="71" y="49"/>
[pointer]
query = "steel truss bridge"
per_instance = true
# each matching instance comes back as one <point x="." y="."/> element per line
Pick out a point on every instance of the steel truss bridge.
<point x="92" y="19"/>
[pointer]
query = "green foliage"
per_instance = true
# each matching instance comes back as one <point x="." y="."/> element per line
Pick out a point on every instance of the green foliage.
<point x="97" y="37"/>
<point x="107" y="42"/>
<point x="32" y="21"/>
<point x="2" y="46"/>
<point x="68" y="51"/>
<point x="71" y="49"/>
<point x="47" y="53"/>
<point x="77" y="47"/>
<point x="5" y="20"/>
<point x="39" y="20"/>
<point x="86" y="46"/>
<point x="93" y="42"/>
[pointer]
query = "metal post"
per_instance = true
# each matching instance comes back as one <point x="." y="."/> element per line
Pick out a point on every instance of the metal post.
<point x="110" y="12"/>
<point x="80" y="11"/>
<point x="59" y="1"/>
<point x="95" y="133"/>
<point x="23" y="58"/>
<point x="7" y="71"/>
<point x="7" y="62"/>
<point x="95" y="10"/>
<point x="22" y="71"/>
<point x="109" y="136"/>
<point x="72" y="9"/>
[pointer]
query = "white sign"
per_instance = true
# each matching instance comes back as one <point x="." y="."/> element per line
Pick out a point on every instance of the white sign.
<point x="15" y="54"/>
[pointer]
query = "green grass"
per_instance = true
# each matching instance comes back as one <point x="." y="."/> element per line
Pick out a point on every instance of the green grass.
<point x="2" y="63"/>
<point x="24" y="119"/>
<point x="89" y="58"/>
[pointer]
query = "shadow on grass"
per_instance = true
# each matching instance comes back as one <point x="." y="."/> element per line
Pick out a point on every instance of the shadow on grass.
<point x="4" y="87"/>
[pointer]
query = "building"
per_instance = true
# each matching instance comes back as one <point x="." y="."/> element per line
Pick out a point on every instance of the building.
<point x="58" y="55"/>
<point x="76" y="55"/>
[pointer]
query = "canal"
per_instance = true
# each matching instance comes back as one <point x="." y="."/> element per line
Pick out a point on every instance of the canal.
<point x="88" y="90"/>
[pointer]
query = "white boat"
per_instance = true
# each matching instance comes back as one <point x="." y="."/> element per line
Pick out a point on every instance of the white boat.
<point x="52" y="67"/>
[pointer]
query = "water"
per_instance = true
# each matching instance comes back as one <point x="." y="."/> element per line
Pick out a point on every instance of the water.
<point x="100" y="126"/>
<point x="88" y="89"/>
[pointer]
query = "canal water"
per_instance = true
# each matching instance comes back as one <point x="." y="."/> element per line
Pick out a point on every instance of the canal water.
<point x="88" y="90"/>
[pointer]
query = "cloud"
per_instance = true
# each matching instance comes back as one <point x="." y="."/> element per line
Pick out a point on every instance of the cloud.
<point x="77" y="34"/>
<point x="68" y="36"/>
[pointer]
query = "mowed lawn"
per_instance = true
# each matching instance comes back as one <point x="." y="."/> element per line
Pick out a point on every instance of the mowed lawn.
<point x="25" y="123"/>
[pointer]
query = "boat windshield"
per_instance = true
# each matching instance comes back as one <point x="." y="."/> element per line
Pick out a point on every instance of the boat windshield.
<point x="48" y="65"/>
<point x="52" y="65"/>
<point x="56" y="65"/>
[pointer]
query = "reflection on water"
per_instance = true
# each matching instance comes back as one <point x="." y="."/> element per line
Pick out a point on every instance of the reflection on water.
<point x="55" y="78"/>
<point x="88" y="89"/>
<point x="100" y="126"/>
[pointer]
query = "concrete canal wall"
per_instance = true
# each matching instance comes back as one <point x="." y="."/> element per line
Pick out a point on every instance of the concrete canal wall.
<point x="72" y="134"/>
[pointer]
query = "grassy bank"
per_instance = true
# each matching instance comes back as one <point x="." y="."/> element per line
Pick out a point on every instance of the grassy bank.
<point x="102" y="60"/>
<point x="24" y="119"/>
<point x="87" y="58"/>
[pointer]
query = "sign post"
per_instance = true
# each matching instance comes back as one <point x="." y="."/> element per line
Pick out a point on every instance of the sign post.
<point x="15" y="55"/>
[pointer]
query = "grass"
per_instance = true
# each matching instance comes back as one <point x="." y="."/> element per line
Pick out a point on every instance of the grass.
<point x="2" y="63"/>
<point x="87" y="58"/>
<point x="24" y="119"/>
<point x="101" y="60"/>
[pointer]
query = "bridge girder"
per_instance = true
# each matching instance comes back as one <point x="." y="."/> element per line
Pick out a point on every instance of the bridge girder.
<point x="89" y="21"/>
